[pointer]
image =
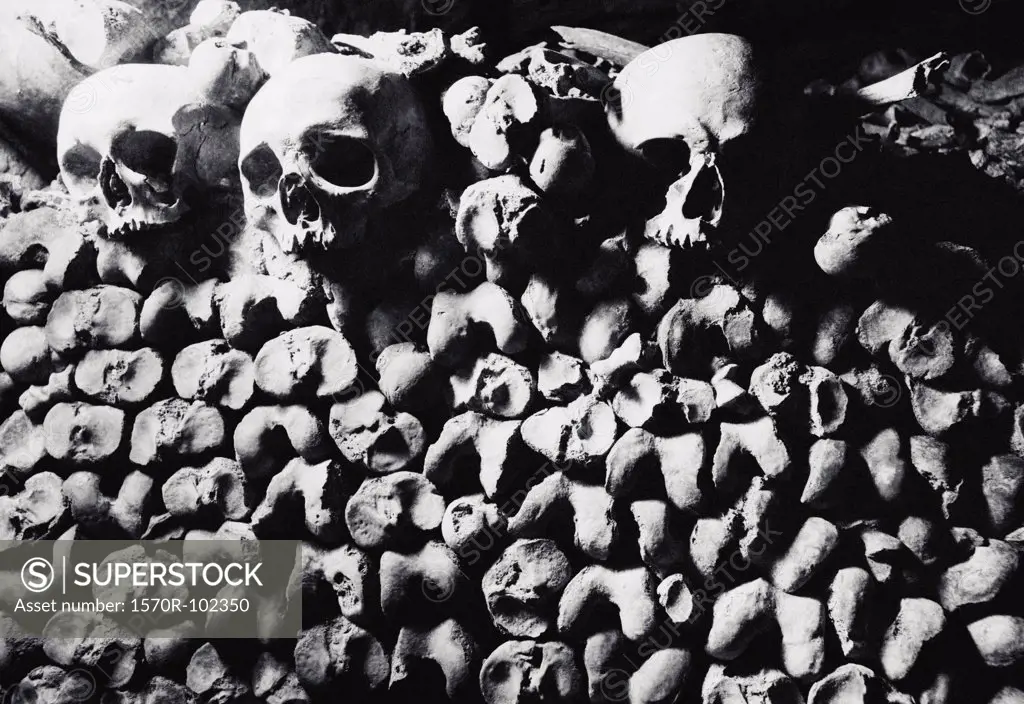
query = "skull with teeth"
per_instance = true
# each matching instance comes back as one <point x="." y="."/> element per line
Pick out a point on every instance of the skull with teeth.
<point x="144" y="145"/>
<point x="688" y="107"/>
<point x="326" y="143"/>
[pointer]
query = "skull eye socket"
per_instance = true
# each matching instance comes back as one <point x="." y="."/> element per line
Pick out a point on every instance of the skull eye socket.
<point x="671" y="157"/>
<point x="145" y="152"/>
<point x="81" y="165"/>
<point x="262" y="171"/>
<point x="343" y="162"/>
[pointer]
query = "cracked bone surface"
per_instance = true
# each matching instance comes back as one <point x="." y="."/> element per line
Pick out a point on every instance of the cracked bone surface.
<point x="350" y="573"/>
<point x="581" y="432"/>
<point x="318" y="489"/>
<point x="631" y="591"/>
<point x="313" y="361"/>
<point x="217" y="488"/>
<point x="120" y="377"/>
<point x="527" y="670"/>
<point x="505" y="221"/>
<point x="523" y="585"/>
<point x="339" y="653"/>
<point x="370" y="434"/>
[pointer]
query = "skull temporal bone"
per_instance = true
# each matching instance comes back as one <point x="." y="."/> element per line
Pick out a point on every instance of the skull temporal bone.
<point x="685" y="107"/>
<point x="134" y="139"/>
<point x="325" y="144"/>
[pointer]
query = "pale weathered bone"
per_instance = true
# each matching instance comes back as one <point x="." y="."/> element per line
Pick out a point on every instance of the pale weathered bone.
<point x="103" y="33"/>
<point x="26" y="355"/>
<point x="449" y="645"/>
<point x="217" y="489"/>
<point x="104" y="316"/>
<point x="352" y="575"/>
<point x="660" y="545"/>
<point x="631" y="591"/>
<point x="427" y="578"/>
<point x="918" y="622"/>
<point x="582" y="432"/>
<point x="555" y="499"/>
<point x="37" y="75"/>
<point x="497" y="443"/>
<point x="80" y="433"/>
<point x="472" y="527"/>
<point x="172" y="428"/>
<point x="494" y="385"/>
<point x="393" y="510"/>
<point x="225" y="74"/>
<point x="523" y="585"/>
<point x="369" y="433"/>
<point x="208" y="675"/>
<point x="257" y="438"/>
<point x="340" y="653"/>
<point x="998" y="639"/>
<point x="354" y="143"/>
<point x="214" y="372"/>
<point x="716" y="96"/>
<point x="680" y="459"/>
<point x="146" y="140"/>
<point x="32" y="512"/>
<point x="518" y="669"/>
<point x="23" y="442"/>
<point x="507" y="223"/>
<point x="129" y="511"/>
<point x="563" y="164"/>
<point x="454" y="334"/>
<point x="27" y="297"/>
<point x="277" y="38"/>
<point x="120" y="377"/>
<point x="312" y="361"/>
<point x="39" y="399"/>
<point x="318" y="488"/>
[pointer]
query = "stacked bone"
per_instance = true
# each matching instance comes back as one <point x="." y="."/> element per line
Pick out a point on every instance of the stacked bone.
<point x="568" y="479"/>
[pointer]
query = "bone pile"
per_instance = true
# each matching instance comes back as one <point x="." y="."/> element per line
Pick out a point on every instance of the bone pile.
<point x="378" y="293"/>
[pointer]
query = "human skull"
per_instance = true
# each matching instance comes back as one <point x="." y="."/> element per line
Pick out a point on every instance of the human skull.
<point x="688" y="107"/>
<point x="136" y="142"/>
<point x="326" y="143"/>
<point x="277" y="39"/>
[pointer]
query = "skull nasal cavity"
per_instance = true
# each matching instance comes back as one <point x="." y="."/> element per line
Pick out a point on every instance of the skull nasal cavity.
<point x="343" y="161"/>
<point x="297" y="201"/>
<point x="144" y="152"/>
<point x="670" y="157"/>
<point x="705" y="198"/>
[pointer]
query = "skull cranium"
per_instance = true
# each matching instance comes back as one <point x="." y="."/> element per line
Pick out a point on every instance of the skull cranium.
<point x="688" y="107"/>
<point x="134" y="139"/>
<point x="327" y="142"/>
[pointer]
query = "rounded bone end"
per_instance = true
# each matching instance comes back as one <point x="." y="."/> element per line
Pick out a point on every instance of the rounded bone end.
<point x="524" y="670"/>
<point x="523" y="585"/>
